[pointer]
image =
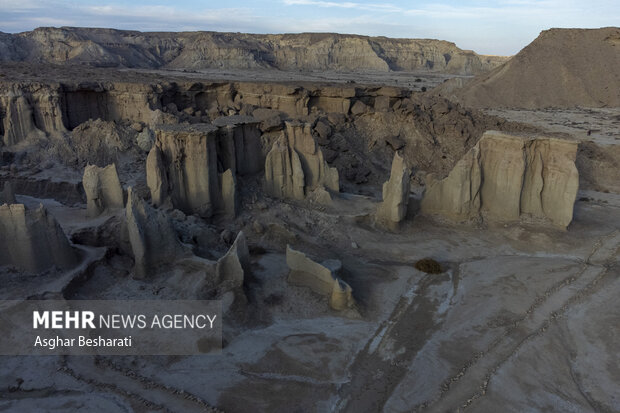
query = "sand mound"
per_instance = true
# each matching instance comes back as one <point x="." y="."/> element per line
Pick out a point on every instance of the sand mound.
<point x="561" y="68"/>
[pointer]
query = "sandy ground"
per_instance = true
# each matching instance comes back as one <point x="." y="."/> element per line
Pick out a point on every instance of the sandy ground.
<point x="409" y="80"/>
<point x="522" y="318"/>
<point x="600" y="125"/>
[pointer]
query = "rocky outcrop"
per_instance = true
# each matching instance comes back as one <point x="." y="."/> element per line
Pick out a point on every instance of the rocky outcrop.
<point x="32" y="240"/>
<point x="157" y="177"/>
<point x="295" y="165"/>
<point x="316" y="170"/>
<point x="153" y="239"/>
<point x="103" y="189"/>
<point x="393" y="209"/>
<point x="183" y="165"/>
<point x="18" y="121"/>
<point x="233" y="267"/>
<point x="7" y="196"/>
<point x="505" y="178"/>
<point x="228" y="185"/>
<point x="284" y="177"/>
<point x="201" y="50"/>
<point x="320" y="278"/>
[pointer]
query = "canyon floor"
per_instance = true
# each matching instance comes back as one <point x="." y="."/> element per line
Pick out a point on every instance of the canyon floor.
<point x="522" y="317"/>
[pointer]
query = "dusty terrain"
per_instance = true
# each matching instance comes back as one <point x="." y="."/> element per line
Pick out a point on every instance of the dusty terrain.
<point x="522" y="316"/>
<point x="561" y="68"/>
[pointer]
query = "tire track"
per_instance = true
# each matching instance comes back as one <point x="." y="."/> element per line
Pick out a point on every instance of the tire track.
<point x="472" y="381"/>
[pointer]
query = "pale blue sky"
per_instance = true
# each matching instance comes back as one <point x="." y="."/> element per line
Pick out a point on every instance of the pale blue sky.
<point x="502" y="27"/>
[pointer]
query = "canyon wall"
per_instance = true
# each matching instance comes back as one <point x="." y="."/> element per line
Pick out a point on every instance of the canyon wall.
<point x="212" y="50"/>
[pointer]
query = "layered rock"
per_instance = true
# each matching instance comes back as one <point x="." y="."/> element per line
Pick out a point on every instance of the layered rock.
<point x="103" y="189"/>
<point x="183" y="166"/>
<point x="393" y="209"/>
<point x="320" y="278"/>
<point x="233" y="267"/>
<point x="32" y="240"/>
<point x="295" y="165"/>
<point x="284" y="176"/>
<point x="18" y="121"/>
<point x="153" y="239"/>
<point x="505" y="178"/>
<point x="200" y="50"/>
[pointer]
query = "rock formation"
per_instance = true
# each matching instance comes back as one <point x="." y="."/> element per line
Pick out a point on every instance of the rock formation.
<point x="32" y="240"/>
<point x="395" y="193"/>
<point x="228" y="184"/>
<point x="156" y="177"/>
<point x="19" y="120"/>
<point x="284" y="177"/>
<point x="103" y="189"/>
<point x="7" y="196"/>
<point x="145" y="139"/>
<point x="153" y="239"/>
<point x="231" y="269"/>
<point x="201" y="50"/>
<point x="505" y="178"/>
<point x="183" y="166"/>
<point x="320" y="278"/>
<point x="295" y="165"/>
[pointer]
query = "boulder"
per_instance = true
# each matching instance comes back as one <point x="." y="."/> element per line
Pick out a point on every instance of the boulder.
<point x="359" y="108"/>
<point x="506" y="178"/>
<point x="320" y="278"/>
<point x="36" y="241"/>
<point x="153" y="239"/>
<point x="103" y="189"/>
<point x="395" y="193"/>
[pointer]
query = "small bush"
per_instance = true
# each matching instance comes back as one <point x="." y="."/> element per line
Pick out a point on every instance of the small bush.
<point x="429" y="266"/>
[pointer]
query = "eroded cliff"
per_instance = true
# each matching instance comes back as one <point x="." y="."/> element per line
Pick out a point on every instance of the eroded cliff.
<point x="505" y="178"/>
<point x="200" y="50"/>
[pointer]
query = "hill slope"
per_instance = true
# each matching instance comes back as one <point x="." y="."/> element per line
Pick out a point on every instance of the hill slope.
<point x="202" y="50"/>
<point x="561" y="68"/>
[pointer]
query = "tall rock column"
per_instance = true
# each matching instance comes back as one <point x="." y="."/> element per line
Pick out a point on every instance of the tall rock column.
<point x="153" y="239"/>
<point x="284" y="176"/>
<point x="393" y="209"/>
<point x="103" y="189"/>
<point x="193" y="167"/>
<point x="295" y="165"/>
<point x="185" y="158"/>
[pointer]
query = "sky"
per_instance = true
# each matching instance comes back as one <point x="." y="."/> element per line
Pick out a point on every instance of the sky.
<point x="500" y="28"/>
